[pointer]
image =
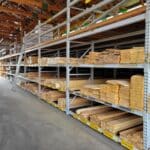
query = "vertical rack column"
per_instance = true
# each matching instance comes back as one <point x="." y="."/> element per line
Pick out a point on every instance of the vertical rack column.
<point x="39" y="57"/>
<point x="68" y="60"/>
<point x="25" y="56"/>
<point x="58" y="67"/>
<point x="146" y="117"/>
<point x="92" y="69"/>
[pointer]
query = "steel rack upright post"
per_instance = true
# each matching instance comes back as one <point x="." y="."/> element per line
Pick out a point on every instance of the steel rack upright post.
<point x="146" y="117"/>
<point x="68" y="60"/>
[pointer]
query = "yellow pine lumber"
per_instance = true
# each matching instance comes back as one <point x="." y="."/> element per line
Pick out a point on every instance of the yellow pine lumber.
<point x="137" y="92"/>
<point x="123" y="134"/>
<point x="93" y="112"/>
<point x="99" y="117"/>
<point x="104" y="122"/>
<point x="92" y="108"/>
<point x="124" y="123"/>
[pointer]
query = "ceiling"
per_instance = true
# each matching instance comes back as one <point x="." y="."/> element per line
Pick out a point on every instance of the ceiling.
<point x="19" y="16"/>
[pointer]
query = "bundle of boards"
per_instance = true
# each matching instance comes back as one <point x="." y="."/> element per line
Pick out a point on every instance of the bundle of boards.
<point x="122" y="124"/>
<point x="126" y="93"/>
<point x="134" y="55"/>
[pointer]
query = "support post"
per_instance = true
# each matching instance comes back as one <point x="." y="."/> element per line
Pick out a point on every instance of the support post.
<point x="146" y="117"/>
<point x="39" y="57"/>
<point x="92" y="69"/>
<point x="68" y="61"/>
<point x="58" y="68"/>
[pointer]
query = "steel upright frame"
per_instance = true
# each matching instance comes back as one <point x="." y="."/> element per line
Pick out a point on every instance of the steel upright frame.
<point x="146" y="117"/>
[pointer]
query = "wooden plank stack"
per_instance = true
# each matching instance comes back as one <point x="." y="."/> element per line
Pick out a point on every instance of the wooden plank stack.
<point x="137" y="92"/>
<point x="124" y="94"/>
<point x="51" y="95"/>
<point x="32" y="87"/>
<point x="133" y="136"/>
<point x="119" y="92"/>
<point x="92" y="90"/>
<point x="109" y="119"/>
<point x="45" y="61"/>
<point x="77" y="102"/>
<point x="35" y="75"/>
<point x="109" y="56"/>
<point x="87" y="112"/>
<point x="75" y="83"/>
<point x="132" y="56"/>
<point x="123" y="123"/>
<point x="102" y="118"/>
<point x="31" y="60"/>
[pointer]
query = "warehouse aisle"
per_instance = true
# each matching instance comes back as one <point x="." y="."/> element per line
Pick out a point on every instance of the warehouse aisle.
<point x="26" y="123"/>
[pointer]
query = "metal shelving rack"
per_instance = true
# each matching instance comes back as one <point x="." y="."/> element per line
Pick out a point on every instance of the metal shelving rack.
<point x="68" y="39"/>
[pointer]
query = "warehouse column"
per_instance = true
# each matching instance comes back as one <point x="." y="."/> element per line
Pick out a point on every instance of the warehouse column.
<point x="39" y="57"/>
<point x="147" y="81"/>
<point x="68" y="60"/>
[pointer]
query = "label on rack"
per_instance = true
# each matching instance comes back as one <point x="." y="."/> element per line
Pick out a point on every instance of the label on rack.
<point x="108" y="134"/>
<point x="83" y="120"/>
<point x="127" y="144"/>
<point x="94" y="126"/>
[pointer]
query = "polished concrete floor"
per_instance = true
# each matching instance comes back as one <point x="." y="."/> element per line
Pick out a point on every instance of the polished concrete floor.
<point x="26" y="123"/>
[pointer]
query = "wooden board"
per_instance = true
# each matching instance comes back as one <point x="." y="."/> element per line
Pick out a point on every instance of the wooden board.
<point x="132" y="56"/>
<point x="132" y="137"/>
<point x="118" y="125"/>
<point x="51" y="95"/>
<point x="77" y="102"/>
<point x="137" y="92"/>
<point x="124" y="95"/>
<point x="100" y="117"/>
<point x="87" y="114"/>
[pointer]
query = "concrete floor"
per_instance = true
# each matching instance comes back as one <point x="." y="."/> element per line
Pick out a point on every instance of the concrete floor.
<point x="26" y="123"/>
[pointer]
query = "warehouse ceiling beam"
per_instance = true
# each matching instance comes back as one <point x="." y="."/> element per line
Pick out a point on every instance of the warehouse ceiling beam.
<point x="14" y="11"/>
<point x="38" y="4"/>
<point x="20" y="12"/>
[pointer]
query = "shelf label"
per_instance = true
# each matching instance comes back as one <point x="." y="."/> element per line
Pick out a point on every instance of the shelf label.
<point x="127" y="145"/>
<point x="108" y="134"/>
<point x="94" y="126"/>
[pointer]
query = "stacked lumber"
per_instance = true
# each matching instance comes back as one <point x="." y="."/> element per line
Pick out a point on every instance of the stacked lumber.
<point x="109" y="92"/>
<point x="31" y="60"/>
<point x="124" y="94"/>
<point x="137" y="92"/>
<point x="35" y="75"/>
<point x="45" y="61"/>
<point x="133" y="136"/>
<point x="87" y="112"/>
<point x="93" y="90"/>
<point x="51" y="95"/>
<point x="75" y="83"/>
<point x="109" y="56"/>
<point x="132" y="56"/>
<point x="32" y="87"/>
<point x="112" y="94"/>
<point x="123" y="123"/>
<point x="77" y="102"/>
<point x="119" y="92"/>
<point x="102" y="118"/>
